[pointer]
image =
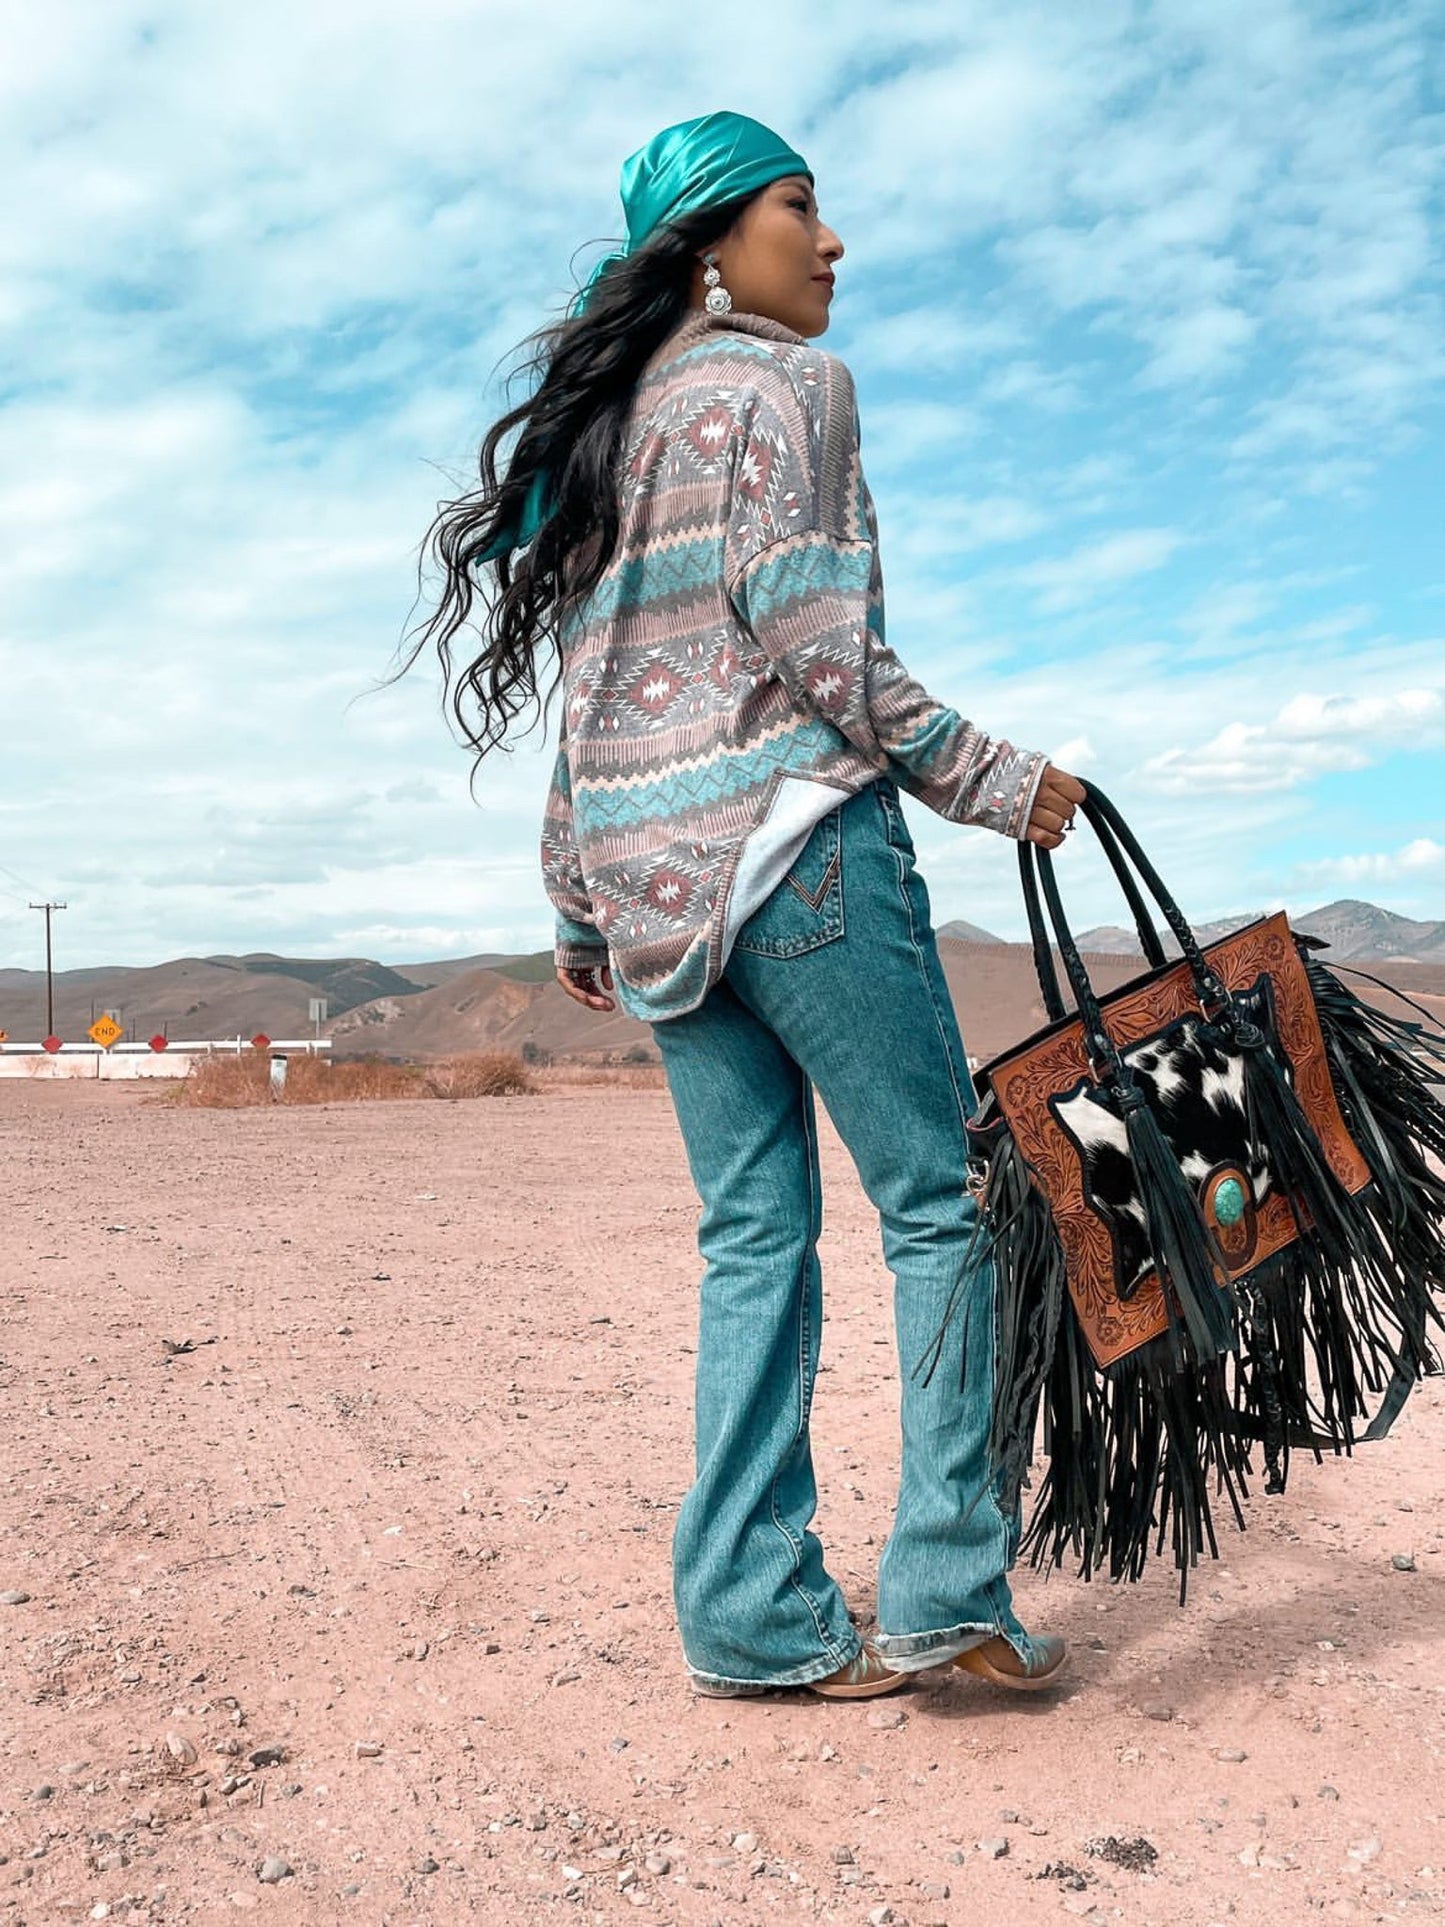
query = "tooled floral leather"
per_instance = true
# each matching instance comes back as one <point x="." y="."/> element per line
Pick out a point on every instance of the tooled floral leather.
<point x="1025" y="1079"/>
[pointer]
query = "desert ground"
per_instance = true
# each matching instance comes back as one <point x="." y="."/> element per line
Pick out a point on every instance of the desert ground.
<point x="341" y="1449"/>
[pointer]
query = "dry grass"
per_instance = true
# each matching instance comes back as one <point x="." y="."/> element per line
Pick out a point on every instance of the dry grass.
<point x="633" y="1077"/>
<point x="485" y="1073"/>
<point x="230" y="1083"/>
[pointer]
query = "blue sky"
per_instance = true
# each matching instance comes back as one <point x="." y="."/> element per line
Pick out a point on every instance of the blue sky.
<point x="1144" y="306"/>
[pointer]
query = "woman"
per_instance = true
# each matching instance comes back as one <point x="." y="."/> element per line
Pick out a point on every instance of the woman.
<point x="724" y="833"/>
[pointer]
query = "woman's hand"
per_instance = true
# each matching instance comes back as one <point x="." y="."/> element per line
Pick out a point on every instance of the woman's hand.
<point x="582" y="985"/>
<point x="1052" y="816"/>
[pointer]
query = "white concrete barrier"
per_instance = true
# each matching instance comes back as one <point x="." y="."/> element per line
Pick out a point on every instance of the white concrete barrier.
<point x="139" y="1060"/>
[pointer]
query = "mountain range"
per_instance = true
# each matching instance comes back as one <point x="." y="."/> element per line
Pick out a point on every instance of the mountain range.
<point x="513" y="1002"/>
<point x="1355" y="931"/>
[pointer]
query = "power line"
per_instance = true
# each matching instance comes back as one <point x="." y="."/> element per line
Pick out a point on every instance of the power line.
<point x="32" y="887"/>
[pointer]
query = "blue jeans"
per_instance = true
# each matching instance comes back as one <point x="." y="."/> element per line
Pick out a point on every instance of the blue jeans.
<point x="834" y="984"/>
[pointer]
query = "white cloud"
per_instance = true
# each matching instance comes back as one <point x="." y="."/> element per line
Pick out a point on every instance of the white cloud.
<point x="1198" y="345"/>
<point x="1076" y="755"/>
<point x="1310" y="735"/>
<point x="1054" y="391"/>
<point x="1229" y="213"/>
<point x="1004" y="109"/>
<point x="1225" y="613"/>
<point x="1222" y="850"/>
<point x="898" y="433"/>
<point x="927" y="338"/>
<point x="931" y="534"/>
<point x="1097" y="566"/>
<point x="1421" y="857"/>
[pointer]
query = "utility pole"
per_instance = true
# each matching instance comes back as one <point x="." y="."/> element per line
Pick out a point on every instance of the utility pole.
<point x="49" y="909"/>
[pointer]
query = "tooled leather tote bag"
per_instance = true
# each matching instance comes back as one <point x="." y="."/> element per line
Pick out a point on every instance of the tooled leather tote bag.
<point x="1209" y="1200"/>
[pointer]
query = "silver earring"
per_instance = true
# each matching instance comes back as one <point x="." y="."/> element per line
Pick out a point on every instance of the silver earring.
<point x="717" y="299"/>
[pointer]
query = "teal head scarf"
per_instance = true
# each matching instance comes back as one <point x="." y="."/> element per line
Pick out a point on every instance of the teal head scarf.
<point x="695" y="165"/>
<point x="684" y="169"/>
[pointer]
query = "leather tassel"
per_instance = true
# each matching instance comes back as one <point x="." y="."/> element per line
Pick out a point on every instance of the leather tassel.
<point x="1191" y="1267"/>
<point x="1016" y="1234"/>
<point x="1032" y="1293"/>
<point x="1261" y="1385"/>
<point x="1385" y="1072"/>
<point x="1283" y="1134"/>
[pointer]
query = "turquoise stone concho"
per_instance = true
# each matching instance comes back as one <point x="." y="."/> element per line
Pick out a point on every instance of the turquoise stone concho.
<point x="1229" y="1201"/>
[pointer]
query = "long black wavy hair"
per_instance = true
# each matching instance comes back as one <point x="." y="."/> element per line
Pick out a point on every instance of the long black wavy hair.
<point x="587" y="369"/>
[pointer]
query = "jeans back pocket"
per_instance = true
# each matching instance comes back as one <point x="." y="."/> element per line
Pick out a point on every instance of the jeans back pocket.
<point x="806" y="908"/>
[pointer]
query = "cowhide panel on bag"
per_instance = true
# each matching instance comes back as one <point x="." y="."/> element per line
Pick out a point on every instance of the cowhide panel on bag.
<point x="1195" y="1088"/>
<point x="1077" y="1150"/>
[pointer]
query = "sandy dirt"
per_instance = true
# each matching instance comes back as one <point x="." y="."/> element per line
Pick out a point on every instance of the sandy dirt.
<point x="403" y="1511"/>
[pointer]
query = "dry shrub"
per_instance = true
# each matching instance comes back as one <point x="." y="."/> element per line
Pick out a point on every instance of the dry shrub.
<point x="483" y="1073"/>
<point x="631" y="1077"/>
<point x="225" y="1083"/>
<point x="316" y="1080"/>
<point x="229" y="1082"/>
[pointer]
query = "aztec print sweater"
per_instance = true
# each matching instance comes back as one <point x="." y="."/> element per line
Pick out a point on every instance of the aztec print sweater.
<point x="727" y="681"/>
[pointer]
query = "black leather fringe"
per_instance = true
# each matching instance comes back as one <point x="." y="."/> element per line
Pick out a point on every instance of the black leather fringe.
<point x="1139" y="1456"/>
<point x="1298" y="1162"/>
<point x="1028" y="1321"/>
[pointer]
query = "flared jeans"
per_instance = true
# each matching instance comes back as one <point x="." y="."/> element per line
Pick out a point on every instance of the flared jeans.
<point x="834" y="984"/>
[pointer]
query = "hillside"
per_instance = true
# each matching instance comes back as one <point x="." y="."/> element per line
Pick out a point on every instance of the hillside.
<point x="1116" y="939"/>
<point x="485" y="1009"/>
<point x="428" y="975"/>
<point x="1353" y="930"/>
<point x="1363" y="930"/>
<point x="189" y="997"/>
<point x="961" y="931"/>
<point x="344" y="982"/>
<point x="465" y="1003"/>
<point x="993" y="986"/>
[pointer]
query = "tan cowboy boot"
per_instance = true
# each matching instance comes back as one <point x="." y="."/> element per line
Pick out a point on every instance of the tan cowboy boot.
<point x="864" y="1677"/>
<point x="996" y="1661"/>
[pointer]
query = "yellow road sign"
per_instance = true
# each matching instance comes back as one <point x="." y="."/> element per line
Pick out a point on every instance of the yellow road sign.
<point x="104" y="1032"/>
